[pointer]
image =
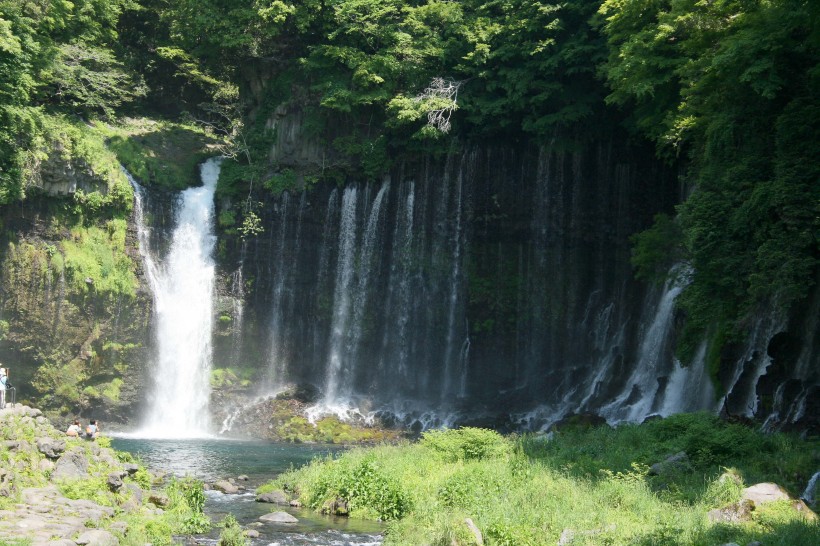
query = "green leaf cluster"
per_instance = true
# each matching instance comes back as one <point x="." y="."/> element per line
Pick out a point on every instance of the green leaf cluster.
<point x="731" y="87"/>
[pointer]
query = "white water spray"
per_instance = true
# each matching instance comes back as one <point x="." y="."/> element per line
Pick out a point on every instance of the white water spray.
<point x="183" y="302"/>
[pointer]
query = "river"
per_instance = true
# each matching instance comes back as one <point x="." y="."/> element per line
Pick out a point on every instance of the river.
<point x="213" y="459"/>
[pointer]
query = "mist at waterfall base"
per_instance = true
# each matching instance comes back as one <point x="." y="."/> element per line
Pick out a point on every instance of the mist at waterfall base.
<point x="213" y="459"/>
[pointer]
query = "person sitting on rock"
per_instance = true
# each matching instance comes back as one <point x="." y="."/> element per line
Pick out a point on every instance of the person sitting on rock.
<point x="74" y="429"/>
<point x="92" y="431"/>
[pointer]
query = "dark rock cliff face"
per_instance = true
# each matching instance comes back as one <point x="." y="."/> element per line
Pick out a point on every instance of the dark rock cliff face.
<point x="494" y="281"/>
<point x="69" y="346"/>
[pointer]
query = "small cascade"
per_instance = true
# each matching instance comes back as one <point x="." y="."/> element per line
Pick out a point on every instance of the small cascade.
<point x="741" y="397"/>
<point x="183" y="285"/>
<point x="366" y="267"/>
<point x="689" y="388"/>
<point x="238" y="306"/>
<point x="451" y="374"/>
<point x="811" y="490"/>
<point x="278" y="360"/>
<point x="324" y="288"/>
<point x="342" y="296"/>
<point x="464" y="364"/>
<point x="395" y="339"/>
<point x="637" y="398"/>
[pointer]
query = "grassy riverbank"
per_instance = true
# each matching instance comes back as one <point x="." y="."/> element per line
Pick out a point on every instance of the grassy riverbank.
<point x="589" y="486"/>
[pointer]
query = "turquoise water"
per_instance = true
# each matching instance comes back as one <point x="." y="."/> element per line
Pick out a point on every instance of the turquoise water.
<point x="213" y="459"/>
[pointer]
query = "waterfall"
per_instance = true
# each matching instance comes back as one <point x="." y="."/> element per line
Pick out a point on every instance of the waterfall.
<point x="636" y="399"/>
<point x="811" y="488"/>
<point x="342" y="296"/>
<point x="394" y="345"/>
<point x="454" y="297"/>
<point x="277" y="331"/>
<point x="182" y="285"/>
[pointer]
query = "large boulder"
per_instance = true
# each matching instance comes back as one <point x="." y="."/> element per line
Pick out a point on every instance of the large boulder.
<point x="72" y="465"/>
<point x="274" y="497"/>
<point x="226" y="487"/>
<point x="765" y="492"/>
<point x="97" y="537"/>
<point x="278" y="517"/>
<point x="50" y="447"/>
<point x="674" y="464"/>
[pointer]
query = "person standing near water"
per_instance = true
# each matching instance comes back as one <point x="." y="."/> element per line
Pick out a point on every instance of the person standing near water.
<point x="4" y="379"/>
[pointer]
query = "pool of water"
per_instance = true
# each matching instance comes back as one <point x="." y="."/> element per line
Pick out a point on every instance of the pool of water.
<point x="213" y="459"/>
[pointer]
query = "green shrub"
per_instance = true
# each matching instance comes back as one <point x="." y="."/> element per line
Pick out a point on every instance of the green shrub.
<point x="723" y="490"/>
<point x="368" y="487"/>
<point x="466" y="443"/>
<point x="231" y="534"/>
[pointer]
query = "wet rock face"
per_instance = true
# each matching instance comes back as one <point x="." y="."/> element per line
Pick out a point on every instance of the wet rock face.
<point x="52" y="319"/>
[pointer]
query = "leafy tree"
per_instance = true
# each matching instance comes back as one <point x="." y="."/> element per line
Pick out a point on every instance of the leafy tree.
<point x="732" y="86"/>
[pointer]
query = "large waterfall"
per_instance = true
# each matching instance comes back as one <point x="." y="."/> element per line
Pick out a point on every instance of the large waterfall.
<point x="493" y="286"/>
<point x="182" y="282"/>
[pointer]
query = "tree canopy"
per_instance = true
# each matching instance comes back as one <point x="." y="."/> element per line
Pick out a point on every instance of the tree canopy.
<point x="729" y="90"/>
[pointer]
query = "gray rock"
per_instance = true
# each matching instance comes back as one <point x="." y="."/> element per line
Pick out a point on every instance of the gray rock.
<point x="30" y="523"/>
<point x="11" y="444"/>
<point x="252" y="533"/>
<point x="131" y="468"/>
<point x="50" y="447"/>
<point x="225" y="486"/>
<point x="479" y="538"/>
<point x="89" y="509"/>
<point x="278" y="517"/>
<point x="295" y="503"/>
<point x="46" y="465"/>
<point x="136" y="491"/>
<point x="755" y="543"/>
<point x="118" y="527"/>
<point x="242" y="478"/>
<point x="733" y="513"/>
<point x="62" y="542"/>
<point x="274" y="497"/>
<point x="97" y="537"/>
<point x="158" y="498"/>
<point x="679" y="462"/>
<point x="764" y="492"/>
<point x="114" y="480"/>
<point x="71" y="465"/>
<point x="130" y="505"/>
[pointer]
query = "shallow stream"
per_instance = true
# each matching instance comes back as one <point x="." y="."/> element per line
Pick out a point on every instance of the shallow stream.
<point x="213" y="459"/>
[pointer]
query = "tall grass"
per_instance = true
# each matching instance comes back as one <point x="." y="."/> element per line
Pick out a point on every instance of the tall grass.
<point x="589" y="486"/>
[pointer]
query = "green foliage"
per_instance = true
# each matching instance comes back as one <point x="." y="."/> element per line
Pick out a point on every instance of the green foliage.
<point x="467" y="443"/>
<point x="187" y="501"/>
<point x="95" y="261"/>
<point x="657" y="249"/>
<point x="593" y="481"/>
<point x="55" y="56"/>
<point x="160" y="153"/>
<point x="281" y="182"/>
<point x="732" y="86"/>
<point x="231" y="534"/>
<point x="363" y="483"/>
